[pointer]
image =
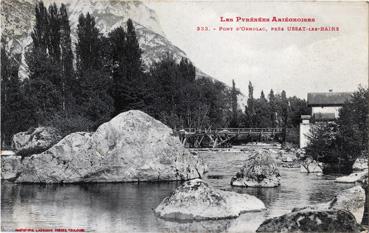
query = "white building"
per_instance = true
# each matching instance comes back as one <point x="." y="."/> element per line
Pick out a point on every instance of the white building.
<point x="325" y="106"/>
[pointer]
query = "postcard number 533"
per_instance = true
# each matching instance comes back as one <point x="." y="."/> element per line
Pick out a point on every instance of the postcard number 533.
<point x="202" y="28"/>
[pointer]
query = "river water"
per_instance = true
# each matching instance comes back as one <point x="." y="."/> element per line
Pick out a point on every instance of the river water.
<point x="127" y="207"/>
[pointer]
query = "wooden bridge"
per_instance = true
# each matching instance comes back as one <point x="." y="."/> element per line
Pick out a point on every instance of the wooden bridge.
<point x="224" y="137"/>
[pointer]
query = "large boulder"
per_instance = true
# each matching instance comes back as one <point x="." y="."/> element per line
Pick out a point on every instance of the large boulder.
<point x="132" y="147"/>
<point x="11" y="166"/>
<point x="259" y="170"/>
<point x="363" y="181"/>
<point x="35" y="140"/>
<point x="311" y="221"/>
<point x="364" y="184"/>
<point x="360" y="164"/>
<point x="352" y="200"/>
<point x="311" y="166"/>
<point x="196" y="200"/>
<point x="353" y="177"/>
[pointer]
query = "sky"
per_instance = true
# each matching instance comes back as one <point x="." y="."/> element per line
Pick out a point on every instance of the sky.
<point x="297" y="62"/>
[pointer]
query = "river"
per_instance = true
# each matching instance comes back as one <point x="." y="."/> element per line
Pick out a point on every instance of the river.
<point x="127" y="207"/>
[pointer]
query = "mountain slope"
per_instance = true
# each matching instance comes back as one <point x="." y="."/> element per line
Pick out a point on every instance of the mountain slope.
<point x="18" y="17"/>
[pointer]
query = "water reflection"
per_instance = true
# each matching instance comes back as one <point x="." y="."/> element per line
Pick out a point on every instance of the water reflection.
<point x="267" y="195"/>
<point x="129" y="207"/>
<point x="101" y="207"/>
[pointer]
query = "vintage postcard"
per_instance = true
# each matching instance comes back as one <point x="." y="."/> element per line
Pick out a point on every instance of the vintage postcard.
<point x="184" y="116"/>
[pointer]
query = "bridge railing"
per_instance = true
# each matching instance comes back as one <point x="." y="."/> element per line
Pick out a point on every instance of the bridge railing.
<point x="231" y="130"/>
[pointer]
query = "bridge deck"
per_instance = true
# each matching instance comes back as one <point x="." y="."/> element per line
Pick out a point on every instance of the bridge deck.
<point x="229" y="131"/>
<point x="192" y="137"/>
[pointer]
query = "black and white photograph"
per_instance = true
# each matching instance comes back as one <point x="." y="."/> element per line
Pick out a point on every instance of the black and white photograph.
<point x="194" y="116"/>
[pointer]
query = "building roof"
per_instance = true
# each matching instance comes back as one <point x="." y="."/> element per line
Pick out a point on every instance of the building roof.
<point x="328" y="98"/>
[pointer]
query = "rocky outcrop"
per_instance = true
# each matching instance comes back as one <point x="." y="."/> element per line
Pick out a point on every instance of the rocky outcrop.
<point x="11" y="166"/>
<point x="35" y="140"/>
<point x="352" y="200"/>
<point x="311" y="221"/>
<point x="339" y="215"/>
<point x="287" y="156"/>
<point x="131" y="147"/>
<point x="311" y="166"/>
<point x="352" y="178"/>
<point x="196" y="200"/>
<point x="363" y="182"/>
<point x="260" y="170"/>
<point x="360" y="164"/>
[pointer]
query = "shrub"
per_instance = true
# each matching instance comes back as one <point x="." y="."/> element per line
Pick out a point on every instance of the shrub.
<point x="325" y="146"/>
<point x="70" y="124"/>
<point x="338" y="144"/>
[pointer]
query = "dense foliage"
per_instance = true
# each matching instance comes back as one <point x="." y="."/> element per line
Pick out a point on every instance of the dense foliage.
<point x="338" y="144"/>
<point x="275" y="111"/>
<point x="180" y="100"/>
<point x="106" y="77"/>
<point x="16" y="111"/>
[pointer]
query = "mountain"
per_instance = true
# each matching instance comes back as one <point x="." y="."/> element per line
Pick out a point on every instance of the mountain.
<point x="17" y="17"/>
<point x="110" y="14"/>
<point x="16" y="22"/>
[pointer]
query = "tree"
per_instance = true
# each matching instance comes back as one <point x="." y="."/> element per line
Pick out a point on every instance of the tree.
<point x="134" y="74"/>
<point x="250" y="101"/>
<point x="250" y="110"/>
<point x="126" y="68"/>
<point x="96" y="103"/>
<point x="180" y="100"/>
<point x="40" y="29"/>
<point x="353" y="123"/>
<point x="53" y="31"/>
<point x="322" y="144"/>
<point x="94" y="82"/>
<point x="187" y="70"/>
<point x="234" y="93"/>
<point x="297" y="108"/>
<point x="187" y="93"/>
<point x="117" y="59"/>
<point x="262" y="96"/>
<point x="88" y="45"/>
<point x="272" y="107"/>
<point x="262" y="112"/>
<point x="68" y="77"/>
<point x="284" y="114"/>
<point x="339" y="144"/>
<point x="166" y="74"/>
<point x="133" y="53"/>
<point x="45" y="73"/>
<point x="16" y="113"/>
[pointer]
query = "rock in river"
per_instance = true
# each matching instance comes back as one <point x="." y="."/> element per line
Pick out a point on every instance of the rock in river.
<point x="353" y="177"/>
<point x="10" y="167"/>
<point x="311" y="221"/>
<point x="131" y="147"/>
<point x="352" y="200"/>
<point x="260" y="170"/>
<point x="360" y="164"/>
<point x="35" y="140"/>
<point x="311" y="166"/>
<point x="196" y="200"/>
